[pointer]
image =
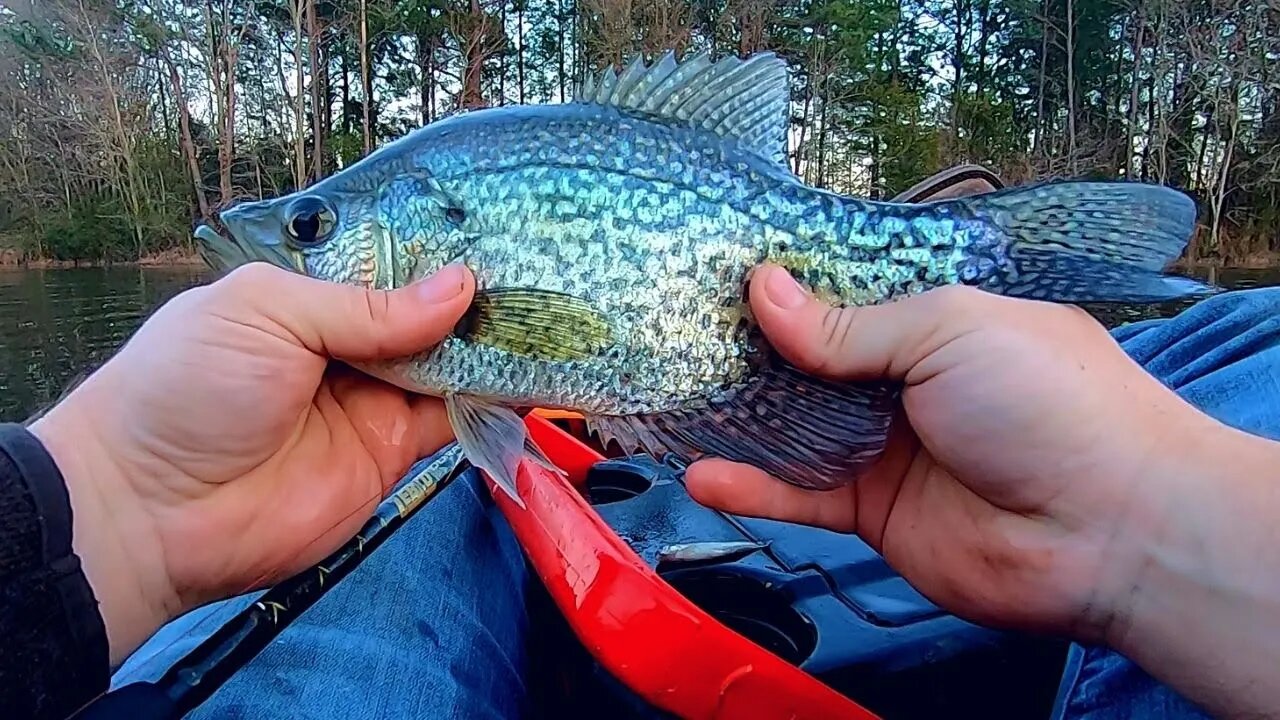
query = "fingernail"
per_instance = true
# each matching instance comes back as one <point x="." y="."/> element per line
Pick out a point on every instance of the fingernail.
<point x="444" y="285"/>
<point x="784" y="291"/>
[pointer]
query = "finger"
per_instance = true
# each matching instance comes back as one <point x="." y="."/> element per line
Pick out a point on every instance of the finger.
<point x="745" y="490"/>
<point x="860" y="343"/>
<point x="354" y="323"/>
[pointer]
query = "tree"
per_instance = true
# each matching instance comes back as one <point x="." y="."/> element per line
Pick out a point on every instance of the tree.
<point x="135" y="117"/>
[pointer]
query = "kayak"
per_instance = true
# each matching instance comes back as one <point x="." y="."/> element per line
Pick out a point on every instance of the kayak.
<point x="812" y="624"/>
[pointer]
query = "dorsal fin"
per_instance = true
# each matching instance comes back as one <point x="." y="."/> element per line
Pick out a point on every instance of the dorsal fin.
<point x="742" y="99"/>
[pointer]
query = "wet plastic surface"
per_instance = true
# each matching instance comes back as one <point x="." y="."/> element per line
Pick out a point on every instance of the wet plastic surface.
<point x="812" y="600"/>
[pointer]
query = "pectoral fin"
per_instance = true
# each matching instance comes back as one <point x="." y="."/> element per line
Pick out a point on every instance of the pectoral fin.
<point x="494" y="439"/>
<point x="536" y="323"/>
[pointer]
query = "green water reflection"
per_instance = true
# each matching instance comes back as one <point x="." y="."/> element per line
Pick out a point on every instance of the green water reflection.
<point x="55" y="324"/>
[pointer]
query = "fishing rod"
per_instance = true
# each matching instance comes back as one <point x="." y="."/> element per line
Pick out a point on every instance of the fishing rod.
<point x="198" y="674"/>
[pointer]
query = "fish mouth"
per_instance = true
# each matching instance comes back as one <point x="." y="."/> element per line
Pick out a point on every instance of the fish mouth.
<point x="223" y="253"/>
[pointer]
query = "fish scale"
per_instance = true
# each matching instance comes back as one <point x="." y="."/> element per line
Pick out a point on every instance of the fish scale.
<point x="611" y="239"/>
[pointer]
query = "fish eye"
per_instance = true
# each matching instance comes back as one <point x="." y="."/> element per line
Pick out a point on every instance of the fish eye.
<point x="310" y="223"/>
<point x="455" y="215"/>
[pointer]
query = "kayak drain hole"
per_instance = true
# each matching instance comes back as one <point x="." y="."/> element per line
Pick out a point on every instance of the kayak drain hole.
<point x="611" y="485"/>
<point x="751" y="609"/>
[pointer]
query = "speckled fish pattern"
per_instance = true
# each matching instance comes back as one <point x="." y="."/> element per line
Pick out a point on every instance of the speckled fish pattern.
<point x="635" y="214"/>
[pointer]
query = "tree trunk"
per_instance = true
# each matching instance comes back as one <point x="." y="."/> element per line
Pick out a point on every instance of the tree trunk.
<point x="984" y="37"/>
<point x="1071" y="88"/>
<point x="1224" y="174"/>
<point x="317" y="123"/>
<point x="298" y="8"/>
<point x="1197" y="173"/>
<point x="1151" y="127"/>
<point x="365" y="79"/>
<point x="326" y="95"/>
<point x="804" y="124"/>
<point x="1037" y="138"/>
<point x="821" y="180"/>
<point x="221" y="73"/>
<point x="186" y="140"/>
<point x="226" y="149"/>
<point x="473" y="42"/>
<point x="957" y="68"/>
<point x="165" y="123"/>
<point x="753" y="18"/>
<point x="502" y="59"/>
<point x="129" y="188"/>
<point x="426" y="50"/>
<point x="520" y="51"/>
<point x="1174" y="141"/>
<point x="346" y="96"/>
<point x="1131" y="127"/>
<point x="560" y="40"/>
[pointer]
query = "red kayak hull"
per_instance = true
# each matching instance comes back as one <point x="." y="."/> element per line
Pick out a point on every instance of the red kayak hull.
<point x="646" y="634"/>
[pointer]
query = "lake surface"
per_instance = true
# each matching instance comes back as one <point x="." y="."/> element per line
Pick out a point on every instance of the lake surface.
<point x="56" y="324"/>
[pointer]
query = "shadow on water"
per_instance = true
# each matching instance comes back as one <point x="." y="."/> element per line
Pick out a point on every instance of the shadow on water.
<point x="56" y="324"/>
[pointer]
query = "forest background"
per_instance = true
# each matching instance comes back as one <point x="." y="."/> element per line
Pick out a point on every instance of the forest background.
<point x="122" y="123"/>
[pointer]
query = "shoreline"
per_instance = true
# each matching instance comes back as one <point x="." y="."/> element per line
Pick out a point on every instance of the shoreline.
<point x="163" y="260"/>
<point x="1252" y="263"/>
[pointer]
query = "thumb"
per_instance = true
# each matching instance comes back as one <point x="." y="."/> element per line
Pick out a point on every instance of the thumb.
<point x="354" y="323"/>
<point x="864" y="342"/>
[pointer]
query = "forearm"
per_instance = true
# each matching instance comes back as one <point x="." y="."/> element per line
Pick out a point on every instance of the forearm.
<point x="1200" y="609"/>
<point x="54" y="656"/>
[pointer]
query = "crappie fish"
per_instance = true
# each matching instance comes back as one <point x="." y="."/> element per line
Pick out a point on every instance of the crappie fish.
<point x="611" y="239"/>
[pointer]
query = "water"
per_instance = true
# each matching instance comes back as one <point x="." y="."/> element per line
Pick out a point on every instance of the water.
<point x="57" y="324"/>
<point x="1230" y="278"/>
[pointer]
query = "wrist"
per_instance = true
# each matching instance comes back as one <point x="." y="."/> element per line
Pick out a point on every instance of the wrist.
<point x="1193" y="595"/>
<point x="112" y="534"/>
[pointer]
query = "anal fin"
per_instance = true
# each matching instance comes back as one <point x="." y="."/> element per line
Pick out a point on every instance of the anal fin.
<point x="803" y="430"/>
<point x="534" y="453"/>
<point x="494" y="439"/>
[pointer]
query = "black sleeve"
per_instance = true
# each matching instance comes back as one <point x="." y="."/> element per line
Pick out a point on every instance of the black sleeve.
<point x="53" y="645"/>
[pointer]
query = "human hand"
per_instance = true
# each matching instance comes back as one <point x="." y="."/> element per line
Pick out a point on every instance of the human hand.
<point x="1022" y="486"/>
<point x="221" y="450"/>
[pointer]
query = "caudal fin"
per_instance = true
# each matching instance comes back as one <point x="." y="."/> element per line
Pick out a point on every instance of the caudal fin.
<point x="1090" y="241"/>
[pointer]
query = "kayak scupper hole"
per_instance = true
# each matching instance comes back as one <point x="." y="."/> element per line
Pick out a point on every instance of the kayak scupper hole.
<point x="750" y="608"/>
<point x="611" y="485"/>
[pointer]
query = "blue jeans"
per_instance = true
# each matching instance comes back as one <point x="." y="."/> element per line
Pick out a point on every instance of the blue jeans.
<point x="431" y="625"/>
<point x="434" y="622"/>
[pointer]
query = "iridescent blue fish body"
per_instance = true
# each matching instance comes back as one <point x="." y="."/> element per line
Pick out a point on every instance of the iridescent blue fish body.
<point x="612" y="238"/>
